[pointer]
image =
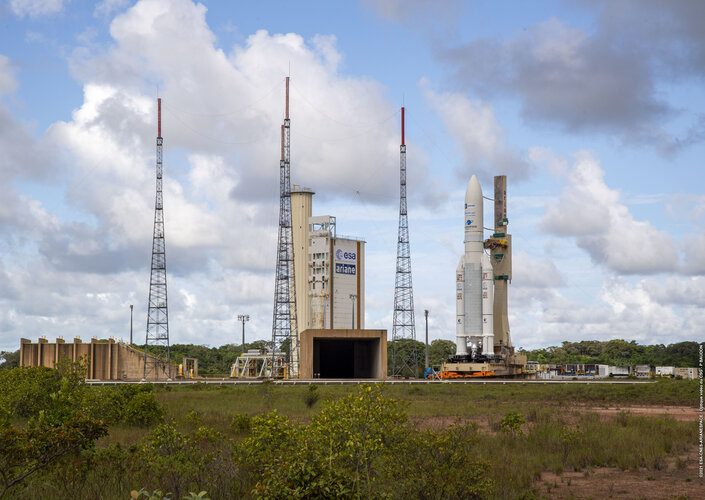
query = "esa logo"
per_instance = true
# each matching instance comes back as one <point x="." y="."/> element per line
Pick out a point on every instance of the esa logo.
<point x="345" y="256"/>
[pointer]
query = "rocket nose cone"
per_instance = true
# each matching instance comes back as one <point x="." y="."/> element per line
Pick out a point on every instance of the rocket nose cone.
<point x="473" y="193"/>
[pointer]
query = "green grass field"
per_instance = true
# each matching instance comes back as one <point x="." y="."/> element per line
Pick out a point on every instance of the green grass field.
<point x="562" y="431"/>
<point x="521" y="431"/>
<point x="218" y="403"/>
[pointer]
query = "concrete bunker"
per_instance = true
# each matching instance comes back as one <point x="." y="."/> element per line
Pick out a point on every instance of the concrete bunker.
<point x="345" y="358"/>
<point x="343" y="354"/>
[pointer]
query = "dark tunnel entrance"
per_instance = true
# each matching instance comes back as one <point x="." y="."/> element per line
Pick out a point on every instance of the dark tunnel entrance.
<point x="345" y="358"/>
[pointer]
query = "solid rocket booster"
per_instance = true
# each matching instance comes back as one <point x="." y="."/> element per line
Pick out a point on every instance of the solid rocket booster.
<point x="474" y="295"/>
<point x="487" y="306"/>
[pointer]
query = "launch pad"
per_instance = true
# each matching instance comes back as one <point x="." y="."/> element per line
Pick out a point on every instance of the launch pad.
<point x="483" y="344"/>
<point x="511" y="365"/>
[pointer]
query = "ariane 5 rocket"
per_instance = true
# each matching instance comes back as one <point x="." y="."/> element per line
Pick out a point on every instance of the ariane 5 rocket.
<point x="474" y="281"/>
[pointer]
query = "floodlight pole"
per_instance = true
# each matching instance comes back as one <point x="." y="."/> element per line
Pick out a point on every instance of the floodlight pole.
<point x="243" y="318"/>
<point x="425" y="313"/>
<point x="131" y="307"/>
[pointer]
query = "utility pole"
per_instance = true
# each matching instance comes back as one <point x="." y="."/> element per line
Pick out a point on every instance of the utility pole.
<point x="131" y="307"/>
<point x="352" y="299"/>
<point x="244" y="318"/>
<point x="425" y="313"/>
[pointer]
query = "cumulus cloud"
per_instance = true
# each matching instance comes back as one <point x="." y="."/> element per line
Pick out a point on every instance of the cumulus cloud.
<point x="677" y="291"/>
<point x="232" y="102"/>
<point x="693" y="246"/>
<point x="669" y="35"/>
<point x="606" y="80"/>
<point x="530" y="272"/>
<point x="21" y="155"/>
<point x="644" y="311"/>
<point x="221" y="116"/>
<point x="36" y="8"/>
<point x="484" y="146"/>
<point x="22" y="218"/>
<point x="602" y="225"/>
<point x="563" y="75"/>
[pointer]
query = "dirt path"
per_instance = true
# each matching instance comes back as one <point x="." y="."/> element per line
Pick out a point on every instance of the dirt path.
<point x="681" y="413"/>
<point x="677" y="412"/>
<point x="677" y="480"/>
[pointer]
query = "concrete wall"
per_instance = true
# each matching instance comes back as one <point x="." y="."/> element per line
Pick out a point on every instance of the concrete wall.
<point x="301" y="202"/>
<point x="107" y="359"/>
<point x="307" y="351"/>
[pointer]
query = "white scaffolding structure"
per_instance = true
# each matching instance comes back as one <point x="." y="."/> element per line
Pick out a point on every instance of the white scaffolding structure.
<point x="255" y="364"/>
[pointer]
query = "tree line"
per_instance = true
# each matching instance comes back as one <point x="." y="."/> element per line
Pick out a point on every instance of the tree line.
<point x="216" y="361"/>
<point x="618" y="353"/>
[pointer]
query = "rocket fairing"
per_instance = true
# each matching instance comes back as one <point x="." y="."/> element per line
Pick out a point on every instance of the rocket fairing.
<point x="474" y="279"/>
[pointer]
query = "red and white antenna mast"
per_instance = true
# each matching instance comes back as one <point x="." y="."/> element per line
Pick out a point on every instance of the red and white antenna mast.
<point x="284" y="324"/>
<point x="157" y="312"/>
<point x="404" y="328"/>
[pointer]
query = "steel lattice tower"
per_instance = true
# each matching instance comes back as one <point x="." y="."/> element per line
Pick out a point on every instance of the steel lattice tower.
<point x="404" y="362"/>
<point x="157" y="314"/>
<point x="284" y="327"/>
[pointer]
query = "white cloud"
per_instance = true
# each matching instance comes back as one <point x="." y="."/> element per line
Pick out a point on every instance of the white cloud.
<point x="644" y="311"/>
<point x="8" y="82"/>
<point x="529" y="272"/>
<point x="221" y="114"/>
<point x="609" y="78"/>
<point x="590" y="211"/>
<point x="693" y="246"/>
<point x="481" y="138"/>
<point x="107" y="7"/>
<point x="557" y="165"/>
<point x="673" y="290"/>
<point x="36" y="8"/>
<point x="232" y="103"/>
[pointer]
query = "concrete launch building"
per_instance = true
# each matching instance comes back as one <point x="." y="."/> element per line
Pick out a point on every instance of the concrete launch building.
<point x="329" y="270"/>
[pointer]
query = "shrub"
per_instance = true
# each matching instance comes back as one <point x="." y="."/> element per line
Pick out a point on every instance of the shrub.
<point x="59" y="427"/>
<point x="25" y="391"/>
<point x="241" y="423"/>
<point x="511" y="423"/>
<point x="194" y="418"/>
<point x="361" y="446"/>
<point x="143" y="409"/>
<point x="312" y="396"/>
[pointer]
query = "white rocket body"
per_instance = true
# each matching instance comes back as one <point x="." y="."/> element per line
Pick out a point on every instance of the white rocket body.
<point x="461" y="342"/>
<point x="471" y="300"/>
<point x="487" y="306"/>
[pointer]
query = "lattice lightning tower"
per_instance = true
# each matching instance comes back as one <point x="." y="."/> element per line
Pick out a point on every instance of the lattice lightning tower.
<point x="284" y="328"/>
<point x="404" y="361"/>
<point x="157" y="314"/>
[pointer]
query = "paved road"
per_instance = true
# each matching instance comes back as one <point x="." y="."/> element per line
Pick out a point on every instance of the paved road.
<point x="228" y="381"/>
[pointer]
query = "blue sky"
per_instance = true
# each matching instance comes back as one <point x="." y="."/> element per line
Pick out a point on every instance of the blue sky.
<point x="594" y="110"/>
